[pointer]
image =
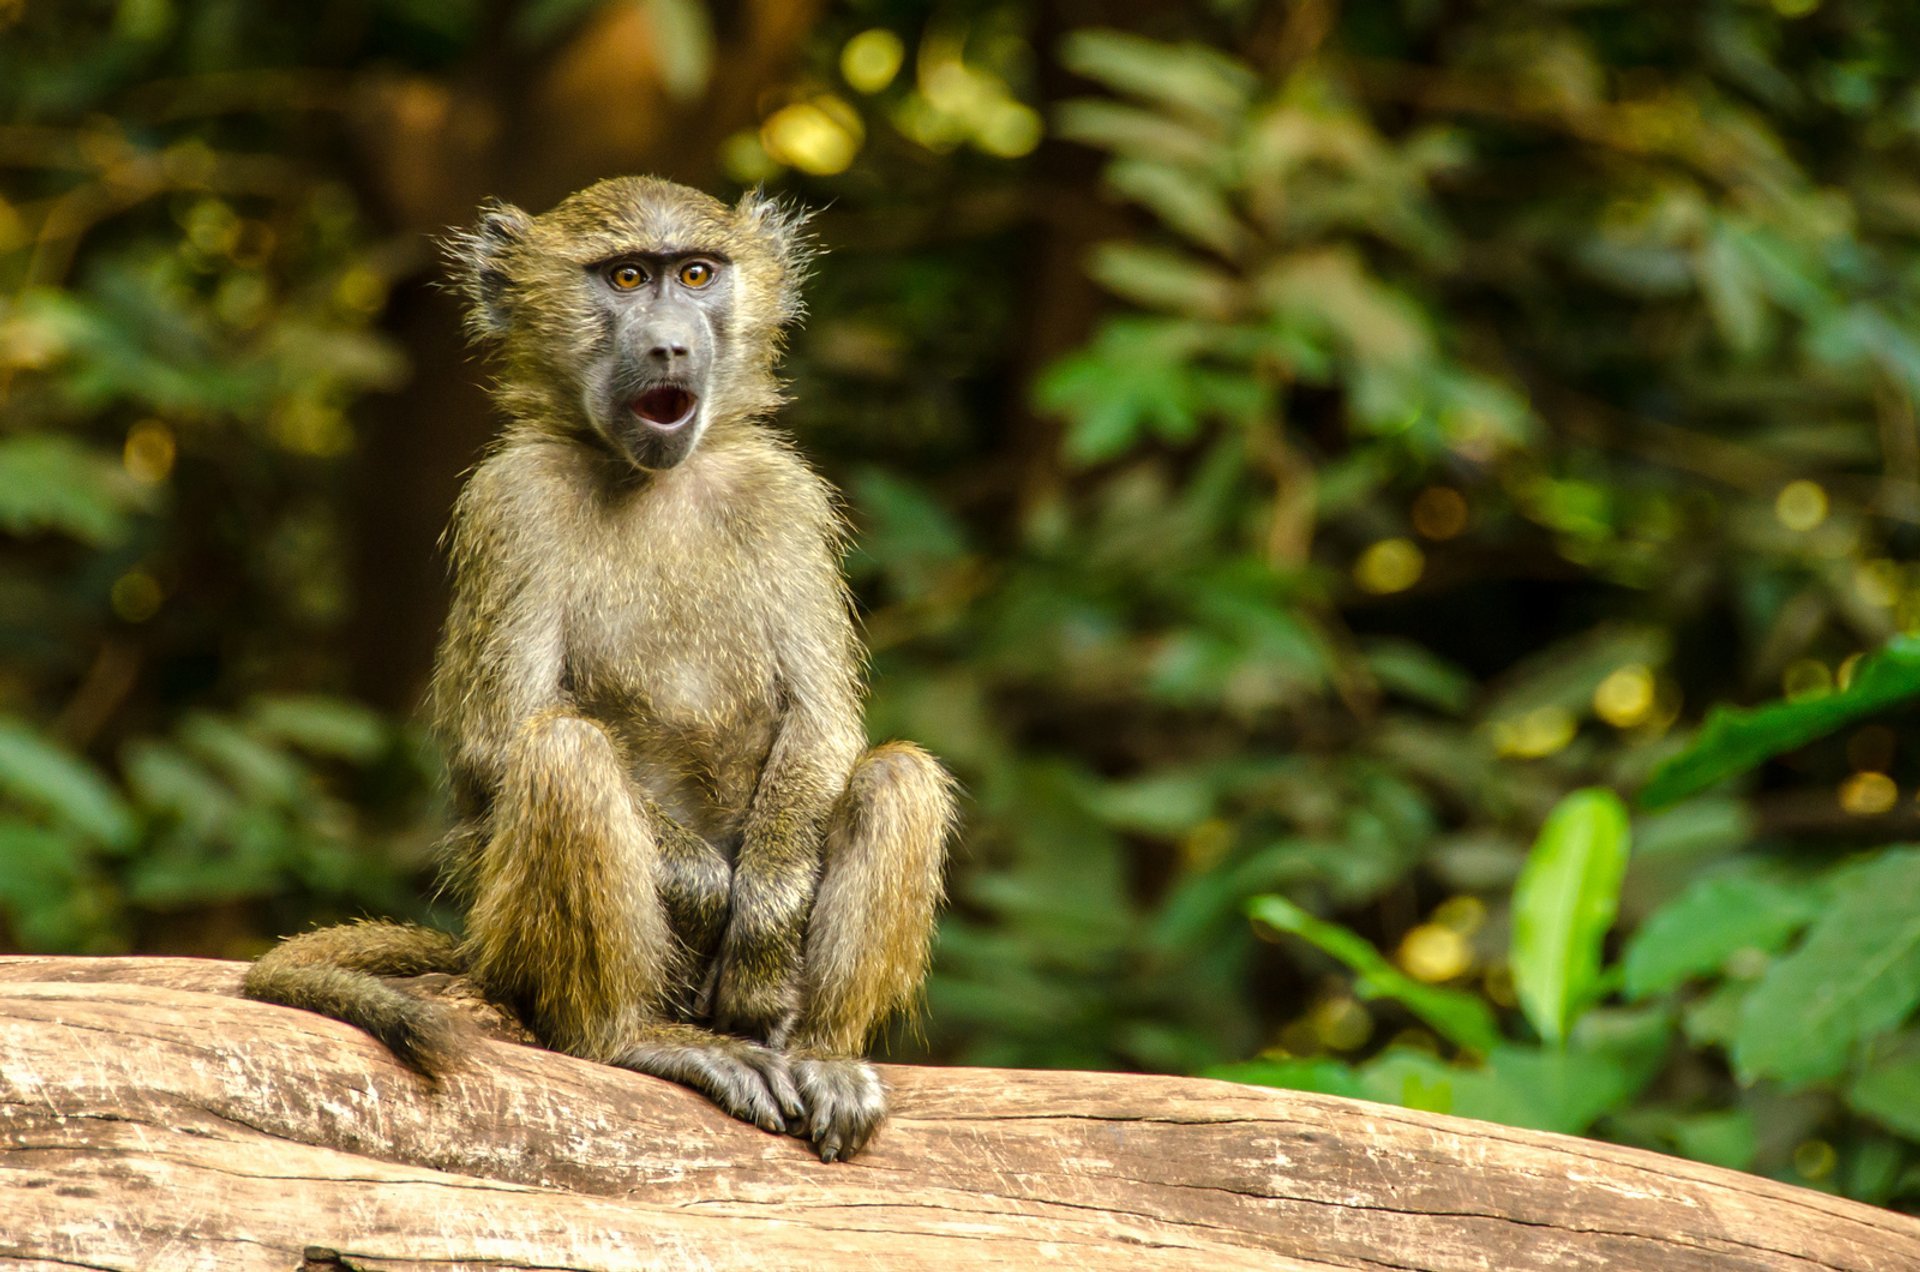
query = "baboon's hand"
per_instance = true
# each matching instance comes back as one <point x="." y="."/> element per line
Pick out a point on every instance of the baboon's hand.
<point x="752" y="1082"/>
<point x="845" y="1102"/>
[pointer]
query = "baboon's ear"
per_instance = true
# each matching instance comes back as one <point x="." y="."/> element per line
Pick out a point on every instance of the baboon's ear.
<point x="782" y="225"/>
<point x="480" y="261"/>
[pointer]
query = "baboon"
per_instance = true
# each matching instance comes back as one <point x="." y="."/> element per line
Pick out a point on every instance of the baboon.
<point x="677" y="853"/>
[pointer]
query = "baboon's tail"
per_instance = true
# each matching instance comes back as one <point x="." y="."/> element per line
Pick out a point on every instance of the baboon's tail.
<point x="336" y="971"/>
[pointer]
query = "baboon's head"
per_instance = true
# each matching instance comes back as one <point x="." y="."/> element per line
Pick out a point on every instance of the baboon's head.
<point x="638" y="310"/>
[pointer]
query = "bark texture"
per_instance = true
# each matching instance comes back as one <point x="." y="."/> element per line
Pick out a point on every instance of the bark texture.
<point x="149" y="1119"/>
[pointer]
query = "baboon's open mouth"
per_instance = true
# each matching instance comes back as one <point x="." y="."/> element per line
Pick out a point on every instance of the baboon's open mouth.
<point x="665" y="407"/>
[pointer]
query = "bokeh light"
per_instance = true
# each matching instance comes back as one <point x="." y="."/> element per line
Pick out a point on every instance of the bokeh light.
<point x="1391" y="565"/>
<point x="871" y="59"/>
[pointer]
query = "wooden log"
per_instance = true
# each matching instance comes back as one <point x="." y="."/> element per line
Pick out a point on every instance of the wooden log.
<point x="151" y="1120"/>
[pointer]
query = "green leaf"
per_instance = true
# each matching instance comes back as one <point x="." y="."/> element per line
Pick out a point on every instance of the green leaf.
<point x="1194" y="80"/>
<point x="1137" y="133"/>
<point x="1563" y="1089"/>
<point x="1327" y="1077"/>
<point x="258" y="769"/>
<point x="1699" y="930"/>
<point x="1165" y="802"/>
<point x="1733" y="740"/>
<point x="1563" y="904"/>
<point x="1888" y="1091"/>
<point x="1733" y="291"/>
<point x="1164" y="279"/>
<point x="48" y="888"/>
<point x="50" y="482"/>
<point x="323" y="726"/>
<point x="1190" y="207"/>
<point x="1413" y="671"/>
<point x="40" y="774"/>
<point x="1462" y="1018"/>
<point x="1856" y="975"/>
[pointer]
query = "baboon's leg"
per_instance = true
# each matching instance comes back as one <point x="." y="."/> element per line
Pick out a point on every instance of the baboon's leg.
<point x="336" y="971"/>
<point x="572" y="923"/>
<point x="870" y="934"/>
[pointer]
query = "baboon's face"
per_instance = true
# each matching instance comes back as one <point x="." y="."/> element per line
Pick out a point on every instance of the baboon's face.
<point x="659" y="315"/>
<point x="643" y="309"/>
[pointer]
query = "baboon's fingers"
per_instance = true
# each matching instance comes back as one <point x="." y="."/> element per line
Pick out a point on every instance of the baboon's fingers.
<point x="845" y="1103"/>
<point x="738" y="1076"/>
<point x="773" y="1069"/>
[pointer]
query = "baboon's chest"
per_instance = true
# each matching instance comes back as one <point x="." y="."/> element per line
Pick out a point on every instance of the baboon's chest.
<point x="675" y="654"/>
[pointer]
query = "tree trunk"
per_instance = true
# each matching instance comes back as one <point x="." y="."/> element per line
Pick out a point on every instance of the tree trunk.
<point x="151" y="1120"/>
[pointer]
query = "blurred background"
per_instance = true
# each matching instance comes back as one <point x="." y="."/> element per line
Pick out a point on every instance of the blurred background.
<point x="1294" y="447"/>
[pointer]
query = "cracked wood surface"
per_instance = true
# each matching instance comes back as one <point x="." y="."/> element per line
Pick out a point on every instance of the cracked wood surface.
<point x="149" y="1120"/>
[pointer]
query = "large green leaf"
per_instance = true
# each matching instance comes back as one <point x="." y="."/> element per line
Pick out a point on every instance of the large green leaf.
<point x="1462" y="1018"/>
<point x="1563" y="904"/>
<point x="1695" y="933"/>
<point x="40" y="774"/>
<point x="1856" y="975"/>
<point x="1734" y="740"/>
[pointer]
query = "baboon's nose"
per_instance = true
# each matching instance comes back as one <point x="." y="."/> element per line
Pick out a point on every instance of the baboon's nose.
<point x="667" y="351"/>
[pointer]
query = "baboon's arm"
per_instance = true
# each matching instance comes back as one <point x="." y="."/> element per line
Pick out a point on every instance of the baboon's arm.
<point x="758" y="984"/>
<point x="501" y="659"/>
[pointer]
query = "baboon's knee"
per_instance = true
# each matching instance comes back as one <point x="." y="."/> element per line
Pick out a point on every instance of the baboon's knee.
<point x="872" y="924"/>
<point x="900" y="800"/>
<point x="559" y="738"/>
<point x="564" y="773"/>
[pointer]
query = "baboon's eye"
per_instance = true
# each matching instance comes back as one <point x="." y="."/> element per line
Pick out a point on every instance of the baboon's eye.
<point x="626" y="277"/>
<point x="696" y="273"/>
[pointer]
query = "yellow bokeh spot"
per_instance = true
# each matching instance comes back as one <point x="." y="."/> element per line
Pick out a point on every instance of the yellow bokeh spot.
<point x="1439" y="512"/>
<point x="1009" y="130"/>
<point x="1806" y="678"/>
<point x="307" y="427"/>
<point x="954" y="88"/>
<point x="746" y="160"/>
<point x="1464" y="914"/>
<point x="1625" y="697"/>
<point x="1801" y="505"/>
<point x="1815" y="1159"/>
<point x="149" y="453"/>
<point x="1341" y="1024"/>
<point x="1537" y="734"/>
<point x="1206" y="844"/>
<point x="871" y="59"/>
<point x="136" y="596"/>
<point x="1843" y="674"/>
<point x="1878" y="582"/>
<point x="1433" y="952"/>
<point x="212" y="227"/>
<point x="361" y="289"/>
<point x="820" y="136"/>
<point x="1868" y="794"/>
<point x="1795" y="8"/>
<point x="1391" y="565"/>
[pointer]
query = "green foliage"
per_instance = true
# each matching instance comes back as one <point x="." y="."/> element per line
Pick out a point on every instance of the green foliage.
<point x="1563" y="904"/>
<point x="1855" y="976"/>
<point x="1462" y="1019"/>
<point x="1701" y="930"/>
<point x="1734" y="741"/>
